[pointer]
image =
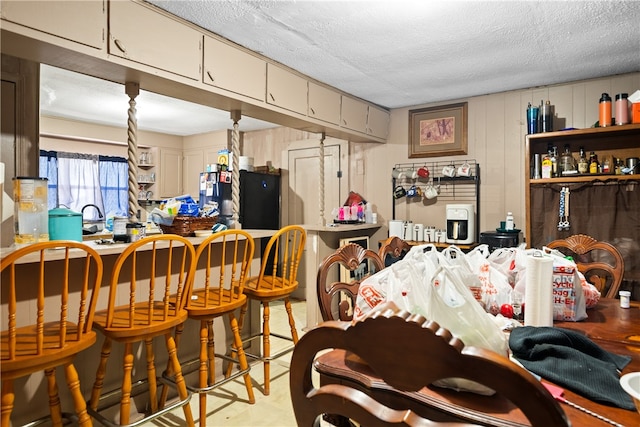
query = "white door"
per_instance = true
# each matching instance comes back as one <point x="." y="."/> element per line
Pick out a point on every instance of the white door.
<point x="304" y="199"/>
<point x="304" y="184"/>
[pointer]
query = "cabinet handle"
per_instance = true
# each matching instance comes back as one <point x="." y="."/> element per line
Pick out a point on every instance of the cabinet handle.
<point x="271" y="95"/>
<point x="344" y="122"/>
<point x="119" y="45"/>
<point x="312" y="111"/>
<point x="210" y="76"/>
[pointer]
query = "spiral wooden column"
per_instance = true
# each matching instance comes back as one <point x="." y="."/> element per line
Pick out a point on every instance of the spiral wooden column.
<point x="235" y="160"/>
<point x="132" y="90"/>
<point x="321" y="177"/>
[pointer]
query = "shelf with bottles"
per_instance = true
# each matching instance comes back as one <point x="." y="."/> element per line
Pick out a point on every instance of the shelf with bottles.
<point x="588" y="190"/>
<point x="611" y="145"/>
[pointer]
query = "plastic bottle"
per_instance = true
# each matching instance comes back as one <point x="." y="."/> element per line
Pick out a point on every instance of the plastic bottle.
<point x="368" y="213"/>
<point x="605" y="110"/>
<point x="547" y="165"/>
<point x="508" y="225"/>
<point x="622" y="109"/>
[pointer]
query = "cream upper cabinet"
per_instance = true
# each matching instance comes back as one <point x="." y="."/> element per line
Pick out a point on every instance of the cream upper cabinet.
<point x="378" y="122"/>
<point x="324" y="104"/>
<point x="170" y="173"/>
<point x="286" y="89"/>
<point x="143" y="35"/>
<point x="354" y="114"/>
<point x="79" y="21"/>
<point x="233" y="69"/>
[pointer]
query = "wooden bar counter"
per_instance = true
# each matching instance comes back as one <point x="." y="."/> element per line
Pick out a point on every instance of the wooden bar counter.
<point x="31" y="391"/>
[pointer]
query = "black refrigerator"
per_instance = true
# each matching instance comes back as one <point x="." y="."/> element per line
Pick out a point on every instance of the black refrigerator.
<point x="259" y="197"/>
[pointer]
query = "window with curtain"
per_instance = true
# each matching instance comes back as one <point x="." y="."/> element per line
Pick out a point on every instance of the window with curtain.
<point x="49" y="169"/>
<point x="114" y="184"/>
<point x="77" y="180"/>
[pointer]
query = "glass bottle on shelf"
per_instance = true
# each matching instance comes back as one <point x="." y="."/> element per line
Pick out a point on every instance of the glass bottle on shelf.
<point x="583" y="164"/>
<point x="606" y="165"/>
<point x="619" y="165"/>
<point x="567" y="163"/>
<point x="554" y="161"/>
<point x="594" y="165"/>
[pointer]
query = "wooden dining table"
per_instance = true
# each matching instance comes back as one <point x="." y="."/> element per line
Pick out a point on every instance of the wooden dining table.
<point x="611" y="327"/>
<point x="617" y="330"/>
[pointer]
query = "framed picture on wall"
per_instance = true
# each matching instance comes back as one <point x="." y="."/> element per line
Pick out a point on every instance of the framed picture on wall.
<point x="363" y="269"/>
<point x="438" y="131"/>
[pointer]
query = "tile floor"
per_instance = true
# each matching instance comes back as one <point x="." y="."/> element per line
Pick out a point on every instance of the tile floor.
<point x="228" y="405"/>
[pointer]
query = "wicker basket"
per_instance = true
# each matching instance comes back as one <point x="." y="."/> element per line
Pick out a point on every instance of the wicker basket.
<point x="185" y="226"/>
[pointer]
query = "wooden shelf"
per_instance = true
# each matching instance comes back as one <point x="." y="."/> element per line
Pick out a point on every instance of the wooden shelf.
<point x="585" y="178"/>
<point x="588" y="191"/>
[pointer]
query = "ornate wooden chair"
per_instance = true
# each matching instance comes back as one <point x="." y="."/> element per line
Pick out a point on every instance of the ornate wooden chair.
<point x="393" y="249"/>
<point x="52" y="325"/>
<point x="276" y="281"/>
<point x="600" y="262"/>
<point x="152" y="277"/>
<point x="337" y="297"/>
<point x="224" y="257"/>
<point x="399" y="355"/>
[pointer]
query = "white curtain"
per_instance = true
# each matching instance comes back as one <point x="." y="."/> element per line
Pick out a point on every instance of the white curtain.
<point x="114" y="185"/>
<point x="79" y="183"/>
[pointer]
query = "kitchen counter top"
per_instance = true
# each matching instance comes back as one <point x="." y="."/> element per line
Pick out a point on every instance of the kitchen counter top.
<point x="338" y="228"/>
<point x="112" y="248"/>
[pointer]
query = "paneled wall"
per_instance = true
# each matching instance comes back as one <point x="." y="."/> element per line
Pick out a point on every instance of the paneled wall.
<point x="496" y="133"/>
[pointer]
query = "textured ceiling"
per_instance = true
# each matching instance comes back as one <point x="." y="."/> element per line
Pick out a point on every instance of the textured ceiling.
<point x="400" y="53"/>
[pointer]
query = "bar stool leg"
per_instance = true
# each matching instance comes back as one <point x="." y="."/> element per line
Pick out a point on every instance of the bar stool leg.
<point x="180" y="383"/>
<point x="292" y="322"/>
<point x="102" y="369"/>
<point x="125" y="401"/>
<point x="205" y="360"/>
<point x="234" y="352"/>
<point x="73" y="382"/>
<point x="242" y="357"/>
<point x="266" y="347"/>
<point x="151" y="375"/>
<point x="8" y="397"/>
<point x="54" y="399"/>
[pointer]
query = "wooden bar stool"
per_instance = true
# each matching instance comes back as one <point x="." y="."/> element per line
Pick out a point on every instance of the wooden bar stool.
<point x="225" y="258"/>
<point x="276" y="281"/>
<point x="49" y="330"/>
<point x="152" y="277"/>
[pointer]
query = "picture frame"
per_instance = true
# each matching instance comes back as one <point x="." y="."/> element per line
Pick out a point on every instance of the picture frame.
<point x="348" y="276"/>
<point x="438" y="131"/>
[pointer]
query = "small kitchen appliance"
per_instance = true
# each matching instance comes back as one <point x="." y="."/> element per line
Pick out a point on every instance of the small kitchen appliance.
<point x="460" y="224"/>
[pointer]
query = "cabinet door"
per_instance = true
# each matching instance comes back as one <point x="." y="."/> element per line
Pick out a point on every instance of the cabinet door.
<point x="193" y="164"/>
<point x="354" y="114"/>
<point x="286" y="90"/>
<point x="378" y="122"/>
<point x="233" y="69"/>
<point x="170" y="173"/>
<point x="143" y="35"/>
<point x="79" y="21"/>
<point x="324" y="104"/>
